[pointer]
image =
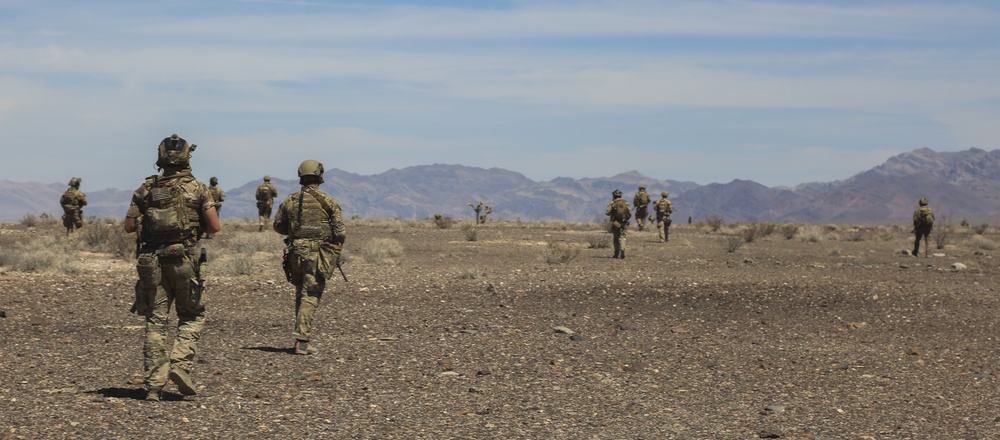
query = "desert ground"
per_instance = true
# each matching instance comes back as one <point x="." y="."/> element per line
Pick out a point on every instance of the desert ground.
<point x="521" y="330"/>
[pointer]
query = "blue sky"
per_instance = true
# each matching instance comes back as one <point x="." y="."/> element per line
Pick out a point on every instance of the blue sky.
<point x="779" y="92"/>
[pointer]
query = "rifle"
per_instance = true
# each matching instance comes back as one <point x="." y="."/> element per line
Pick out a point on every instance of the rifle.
<point x="341" y="269"/>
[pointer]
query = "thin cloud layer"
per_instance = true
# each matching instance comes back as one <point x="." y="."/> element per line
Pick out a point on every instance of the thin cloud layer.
<point x="778" y="92"/>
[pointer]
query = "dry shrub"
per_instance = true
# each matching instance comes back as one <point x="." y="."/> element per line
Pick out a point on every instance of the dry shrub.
<point x="234" y="265"/>
<point x="788" y="231"/>
<point x="714" y="222"/>
<point x="856" y="235"/>
<point x="443" y="221"/>
<point x="470" y="231"/>
<point x="767" y="228"/>
<point x="29" y="220"/>
<point x="750" y="233"/>
<point x="599" y="241"/>
<point x="382" y="251"/>
<point x="811" y="234"/>
<point x="108" y="236"/>
<point x="558" y="253"/>
<point x="43" y="254"/>
<point x="249" y="243"/>
<point x="981" y="243"/>
<point x="469" y="273"/>
<point x="980" y="229"/>
<point x="732" y="242"/>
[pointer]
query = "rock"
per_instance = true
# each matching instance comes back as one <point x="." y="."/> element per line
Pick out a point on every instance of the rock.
<point x="858" y="325"/>
<point x="3" y="313"/>
<point x="771" y="409"/>
<point x="578" y="337"/>
<point x="679" y="330"/>
<point x="958" y="267"/>
<point x="561" y="329"/>
<point x="768" y="433"/>
<point x="635" y="367"/>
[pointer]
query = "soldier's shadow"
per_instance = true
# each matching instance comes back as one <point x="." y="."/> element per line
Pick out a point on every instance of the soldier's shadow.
<point x="132" y="393"/>
<point x="272" y="349"/>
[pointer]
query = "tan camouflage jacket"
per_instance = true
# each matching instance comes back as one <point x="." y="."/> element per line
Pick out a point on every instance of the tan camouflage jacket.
<point x="321" y="218"/>
<point x="73" y="199"/>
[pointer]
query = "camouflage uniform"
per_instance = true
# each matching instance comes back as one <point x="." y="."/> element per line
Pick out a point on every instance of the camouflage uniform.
<point x="619" y="222"/>
<point x="641" y="202"/>
<point x="923" y="223"/>
<point x="314" y="224"/>
<point x="73" y="201"/>
<point x="663" y="210"/>
<point x="265" y="201"/>
<point x="168" y="210"/>
<point x="218" y="195"/>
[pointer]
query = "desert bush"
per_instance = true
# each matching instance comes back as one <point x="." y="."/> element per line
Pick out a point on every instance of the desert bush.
<point x="750" y="233"/>
<point x="732" y="242"/>
<point x="108" y="236"/>
<point x="788" y="231"/>
<point x="965" y="223"/>
<point x="982" y="243"/>
<point x="382" y="251"/>
<point x="249" y="243"/>
<point x="558" y="253"/>
<point x="43" y="254"/>
<point x="811" y="235"/>
<point x="855" y="235"/>
<point x="46" y="219"/>
<point x="470" y="231"/>
<point x="443" y="221"/>
<point x="29" y="220"/>
<point x="469" y="273"/>
<point x="714" y="222"/>
<point x="765" y="229"/>
<point x="980" y="229"/>
<point x="234" y="265"/>
<point x="599" y="241"/>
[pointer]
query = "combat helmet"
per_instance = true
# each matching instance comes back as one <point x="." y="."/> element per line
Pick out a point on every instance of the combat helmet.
<point x="75" y="182"/>
<point x="642" y="187"/>
<point x="664" y="194"/>
<point x="311" y="168"/>
<point x="213" y="181"/>
<point x="174" y="151"/>
<point x="267" y="178"/>
<point x="616" y="193"/>
<point x="923" y="202"/>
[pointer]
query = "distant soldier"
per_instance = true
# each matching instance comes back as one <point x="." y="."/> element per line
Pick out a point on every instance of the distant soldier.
<point x="73" y="201"/>
<point x="663" y="210"/>
<point x="265" y="201"/>
<point x="174" y="209"/>
<point x="619" y="213"/>
<point x="923" y="222"/>
<point x="314" y="224"/>
<point x="641" y="202"/>
<point x="217" y="194"/>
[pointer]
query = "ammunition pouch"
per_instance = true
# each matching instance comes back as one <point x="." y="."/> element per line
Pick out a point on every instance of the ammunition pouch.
<point x="616" y="224"/>
<point x="148" y="269"/>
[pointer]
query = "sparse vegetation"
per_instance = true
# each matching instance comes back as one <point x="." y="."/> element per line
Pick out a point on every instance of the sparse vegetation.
<point x="560" y="253"/>
<point x="382" y="251"/>
<point x="29" y="220"/>
<point x="599" y="241"/>
<point x="714" y="223"/>
<point x="750" y="233"/>
<point x="981" y="243"/>
<point x="469" y="273"/>
<point x="980" y="229"/>
<point x="470" y="231"/>
<point x="732" y="242"/>
<point x="43" y="254"/>
<point x="443" y="221"/>
<point x="789" y="230"/>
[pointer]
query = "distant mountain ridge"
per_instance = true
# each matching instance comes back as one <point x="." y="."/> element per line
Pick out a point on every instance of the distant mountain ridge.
<point x="963" y="184"/>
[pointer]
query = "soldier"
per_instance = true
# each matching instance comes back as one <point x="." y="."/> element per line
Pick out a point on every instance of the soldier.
<point x="663" y="210"/>
<point x="641" y="202"/>
<point x="619" y="213"/>
<point x="217" y="194"/>
<point x="265" y="200"/>
<point x="173" y="208"/>
<point x="923" y="222"/>
<point x="73" y="201"/>
<point x="314" y="224"/>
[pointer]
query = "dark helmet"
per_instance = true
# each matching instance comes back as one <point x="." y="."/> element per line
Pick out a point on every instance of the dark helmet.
<point x="665" y="194"/>
<point x="311" y="168"/>
<point x="923" y="202"/>
<point x="174" y="151"/>
<point x="267" y="178"/>
<point x="616" y="193"/>
<point x="75" y="182"/>
<point x="213" y="181"/>
<point x="642" y="188"/>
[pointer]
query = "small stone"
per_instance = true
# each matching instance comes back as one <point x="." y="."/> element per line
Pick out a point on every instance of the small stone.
<point x="3" y="313"/>
<point x="578" y="338"/>
<point x="562" y="329"/>
<point x="774" y="408"/>
<point x="679" y="330"/>
<point x="858" y="325"/>
<point x="913" y="352"/>
<point x="769" y="434"/>
<point x="958" y="267"/>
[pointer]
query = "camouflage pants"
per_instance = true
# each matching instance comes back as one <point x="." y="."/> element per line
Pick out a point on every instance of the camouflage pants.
<point x="310" y="267"/>
<point x="921" y="234"/>
<point x="663" y="228"/>
<point x="264" y="212"/>
<point x="619" y="235"/>
<point x="170" y="280"/>
<point x="640" y="217"/>
<point x="72" y="218"/>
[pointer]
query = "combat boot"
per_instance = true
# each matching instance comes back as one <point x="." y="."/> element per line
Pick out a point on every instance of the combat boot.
<point x="622" y="254"/>
<point x="616" y="254"/>
<point x="305" y="348"/>
<point x="153" y="394"/>
<point x="183" y="381"/>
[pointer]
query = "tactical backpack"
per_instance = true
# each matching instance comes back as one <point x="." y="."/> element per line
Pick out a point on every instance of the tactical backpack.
<point x="642" y="198"/>
<point x="620" y="212"/>
<point x="69" y="198"/>
<point x="664" y="208"/>
<point x="263" y="194"/>
<point x="923" y="218"/>
<point x="166" y="219"/>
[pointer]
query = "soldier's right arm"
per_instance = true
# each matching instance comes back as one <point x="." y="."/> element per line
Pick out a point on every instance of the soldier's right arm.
<point x="280" y="224"/>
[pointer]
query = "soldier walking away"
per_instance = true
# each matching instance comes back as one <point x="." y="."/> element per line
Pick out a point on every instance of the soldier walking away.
<point x="217" y="194"/>
<point x="265" y="201"/>
<point x="641" y="202"/>
<point x="663" y="210"/>
<point x="169" y="211"/>
<point x="619" y="213"/>
<point x="923" y="222"/>
<point x="73" y="201"/>
<point x="315" y="230"/>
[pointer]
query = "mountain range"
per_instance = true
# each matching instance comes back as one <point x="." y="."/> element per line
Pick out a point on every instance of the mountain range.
<point x="963" y="184"/>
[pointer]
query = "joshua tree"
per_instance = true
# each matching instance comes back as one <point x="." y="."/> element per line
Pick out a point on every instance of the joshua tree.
<point x="479" y="208"/>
